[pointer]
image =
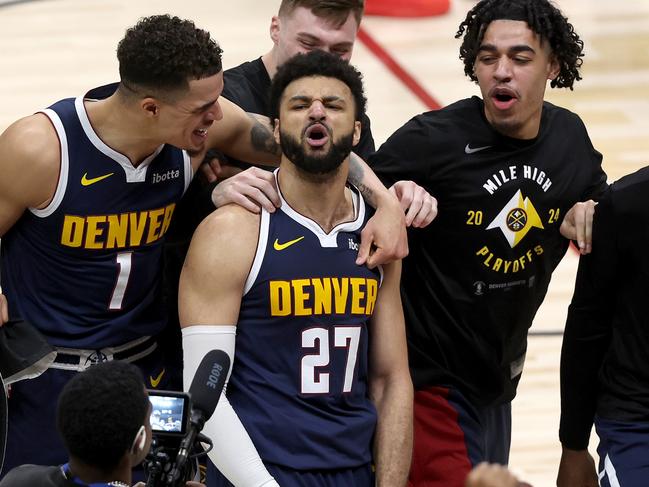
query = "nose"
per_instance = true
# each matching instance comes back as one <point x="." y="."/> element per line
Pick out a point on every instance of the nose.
<point x="215" y="113"/>
<point x="317" y="110"/>
<point x="503" y="71"/>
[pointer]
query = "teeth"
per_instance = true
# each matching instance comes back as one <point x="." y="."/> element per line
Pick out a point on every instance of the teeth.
<point x="202" y="131"/>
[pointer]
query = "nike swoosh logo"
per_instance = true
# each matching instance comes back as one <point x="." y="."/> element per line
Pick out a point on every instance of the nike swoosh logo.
<point x="155" y="382"/>
<point x="87" y="182"/>
<point x="282" y="246"/>
<point x="470" y="150"/>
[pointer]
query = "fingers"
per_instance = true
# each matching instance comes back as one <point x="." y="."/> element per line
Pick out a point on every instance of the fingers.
<point x="578" y="225"/>
<point x="4" y="310"/>
<point x="367" y="237"/>
<point x="252" y="189"/>
<point x="211" y="170"/>
<point x="426" y="213"/>
<point x="404" y="191"/>
<point x="588" y="230"/>
<point x="491" y="475"/>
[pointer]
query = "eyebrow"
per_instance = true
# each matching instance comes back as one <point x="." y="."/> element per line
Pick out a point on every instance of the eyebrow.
<point x="513" y="49"/>
<point x="311" y="37"/>
<point x="310" y="98"/>
<point x="205" y="106"/>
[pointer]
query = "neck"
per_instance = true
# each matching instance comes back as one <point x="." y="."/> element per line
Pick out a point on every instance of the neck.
<point x="325" y="200"/>
<point x="92" y="475"/>
<point x="270" y="62"/>
<point x="115" y="122"/>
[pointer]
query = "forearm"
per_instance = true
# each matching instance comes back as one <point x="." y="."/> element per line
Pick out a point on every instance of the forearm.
<point x="393" y="398"/>
<point x="234" y="453"/>
<point x="370" y="186"/>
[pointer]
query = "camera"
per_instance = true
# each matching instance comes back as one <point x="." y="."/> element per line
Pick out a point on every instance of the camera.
<point x="166" y="464"/>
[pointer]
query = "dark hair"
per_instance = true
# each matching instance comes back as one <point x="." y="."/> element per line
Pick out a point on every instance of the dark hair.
<point x="334" y="11"/>
<point x="100" y="411"/>
<point x="316" y="63"/>
<point x="162" y="53"/>
<point x="542" y="17"/>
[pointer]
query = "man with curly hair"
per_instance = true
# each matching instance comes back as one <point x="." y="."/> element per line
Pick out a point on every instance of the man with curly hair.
<point x="505" y="168"/>
<point x="88" y="191"/>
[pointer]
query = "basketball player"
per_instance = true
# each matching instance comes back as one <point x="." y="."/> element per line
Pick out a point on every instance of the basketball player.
<point x="505" y="168"/>
<point x="319" y="387"/>
<point x="88" y="190"/>
<point x="604" y="367"/>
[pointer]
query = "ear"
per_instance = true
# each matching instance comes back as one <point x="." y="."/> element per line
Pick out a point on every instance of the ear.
<point x="357" y="133"/>
<point x="139" y="441"/>
<point x="276" y="131"/>
<point x="274" y="29"/>
<point x="151" y="106"/>
<point x="554" y="68"/>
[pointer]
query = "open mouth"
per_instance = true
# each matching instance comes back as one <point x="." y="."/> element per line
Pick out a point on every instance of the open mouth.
<point x="201" y="132"/>
<point x="316" y="135"/>
<point x="503" y="98"/>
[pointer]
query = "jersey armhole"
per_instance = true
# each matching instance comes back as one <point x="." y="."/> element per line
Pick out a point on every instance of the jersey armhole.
<point x="262" y="242"/>
<point x="63" y="170"/>
<point x="189" y="170"/>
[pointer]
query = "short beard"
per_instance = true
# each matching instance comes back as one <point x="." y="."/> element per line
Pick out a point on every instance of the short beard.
<point x="321" y="167"/>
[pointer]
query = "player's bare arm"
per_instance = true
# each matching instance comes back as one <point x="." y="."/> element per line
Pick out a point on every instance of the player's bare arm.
<point x="578" y="225"/>
<point x="245" y="136"/>
<point x="577" y="467"/>
<point x="384" y="238"/>
<point x="211" y="287"/>
<point x="390" y="385"/>
<point x="29" y="163"/>
<point x="216" y="267"/>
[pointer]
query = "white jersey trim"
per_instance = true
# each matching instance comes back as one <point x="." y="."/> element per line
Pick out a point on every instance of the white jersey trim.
<point x="327" y="240"/>
<point x="264" y="226"/>
<point x="189" y="170"/>
<point x="64" y="170"/>
<point x="133" y="174"/>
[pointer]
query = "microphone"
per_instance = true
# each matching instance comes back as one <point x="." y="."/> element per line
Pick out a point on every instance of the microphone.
<point x="205" y="392"/>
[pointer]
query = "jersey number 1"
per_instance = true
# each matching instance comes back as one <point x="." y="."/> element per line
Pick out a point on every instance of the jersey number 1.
<point x="316" y="382"/>
<point x="124" y="264"/>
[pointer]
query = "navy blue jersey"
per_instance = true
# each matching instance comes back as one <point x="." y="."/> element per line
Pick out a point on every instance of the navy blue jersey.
<point x="300" y="375"/>
<point x="86" y="269"/>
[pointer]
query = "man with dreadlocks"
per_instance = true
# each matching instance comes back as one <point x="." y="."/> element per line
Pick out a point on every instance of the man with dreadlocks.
<point x="505" y="168"/>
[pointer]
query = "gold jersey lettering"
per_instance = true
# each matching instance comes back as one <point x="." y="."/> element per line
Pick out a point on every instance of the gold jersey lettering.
<point x="280" y="298"/>
<point x="321" y="296"/>
<point x="72" y="235"/>
<point x="116" y="231"/>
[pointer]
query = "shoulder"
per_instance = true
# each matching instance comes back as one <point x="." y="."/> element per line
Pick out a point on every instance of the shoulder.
<point x="33" y="475"/>
<point x="631" y="191"/>
<point x="30" y="152"/>
<point x="33" y="137"/>
<point x="560" y="115"/>
<point x="230" y="228"/>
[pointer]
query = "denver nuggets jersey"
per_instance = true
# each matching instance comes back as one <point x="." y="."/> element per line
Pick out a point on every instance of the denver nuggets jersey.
<point x="86" y="269"/>
<point x="299" y="379"/>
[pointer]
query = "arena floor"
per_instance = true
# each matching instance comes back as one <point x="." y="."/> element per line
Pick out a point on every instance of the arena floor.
<point x="51" y="49"/>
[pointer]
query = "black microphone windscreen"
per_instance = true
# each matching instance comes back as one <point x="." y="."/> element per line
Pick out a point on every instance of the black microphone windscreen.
<point x="209" y="381"/>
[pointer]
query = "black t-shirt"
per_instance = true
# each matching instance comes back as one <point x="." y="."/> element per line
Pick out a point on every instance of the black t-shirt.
<point x="605" y="358"/>
<point x="476" y="276"/>
<point x="36" y="476"/>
